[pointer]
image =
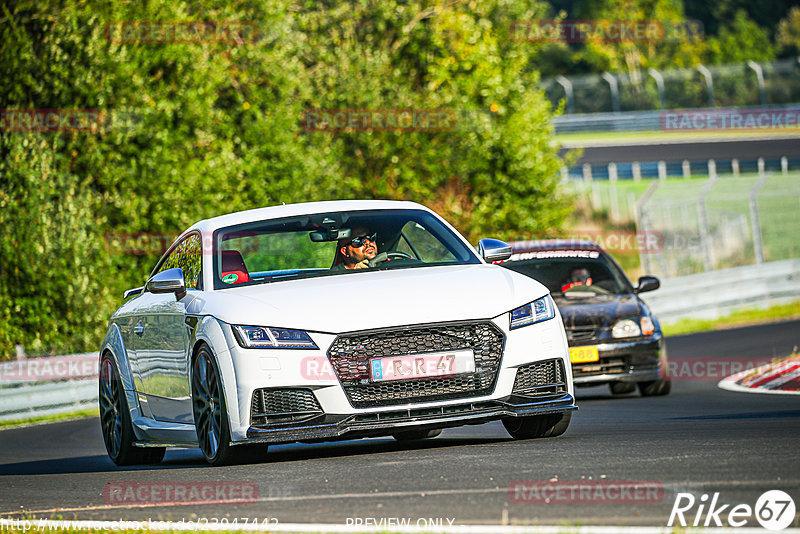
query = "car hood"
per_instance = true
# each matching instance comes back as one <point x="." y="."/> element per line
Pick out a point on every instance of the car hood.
<point x="376" y="299"/>
<point x="597" y="310"/>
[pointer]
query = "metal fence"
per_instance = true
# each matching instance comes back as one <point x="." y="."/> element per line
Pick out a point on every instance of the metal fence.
<point x="715" y="220"/>
<point x="746" y="84"/>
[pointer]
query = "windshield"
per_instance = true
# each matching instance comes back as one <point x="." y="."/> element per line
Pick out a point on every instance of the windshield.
<point x="330" y="244"/>
<point x="575" y="277"/>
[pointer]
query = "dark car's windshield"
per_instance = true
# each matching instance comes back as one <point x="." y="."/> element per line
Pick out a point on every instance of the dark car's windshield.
<point x="332" y="244"/>
<point x="575" y="277"/>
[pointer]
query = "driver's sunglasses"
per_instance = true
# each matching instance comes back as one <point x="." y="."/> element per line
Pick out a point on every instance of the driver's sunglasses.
<point x="360" y="241"/>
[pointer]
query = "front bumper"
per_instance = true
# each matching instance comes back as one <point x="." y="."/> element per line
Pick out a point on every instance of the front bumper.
<point x="327" y="427"/>
<point x="639" y="360"/>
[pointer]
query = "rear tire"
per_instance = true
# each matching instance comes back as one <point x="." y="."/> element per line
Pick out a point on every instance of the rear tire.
<point x="115" y="420"/>
<point x="538" y="426"/>
<point x="411" y="435"/>
<point x="655" y="388"/>
<point x="622" y="388"/>
<point x="210" y="413"/>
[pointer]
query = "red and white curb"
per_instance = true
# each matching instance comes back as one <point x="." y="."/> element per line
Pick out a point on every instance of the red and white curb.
<point x="780" y="377"/>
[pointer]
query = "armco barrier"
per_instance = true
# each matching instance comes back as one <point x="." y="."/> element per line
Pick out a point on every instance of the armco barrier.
<point x="34" y="400"/>
<point x="713" y="294"/>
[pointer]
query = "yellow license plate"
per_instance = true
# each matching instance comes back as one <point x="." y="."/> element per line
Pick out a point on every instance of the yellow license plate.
<point x="583" y="354"/>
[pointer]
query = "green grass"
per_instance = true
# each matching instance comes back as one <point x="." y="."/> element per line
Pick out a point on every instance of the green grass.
<point x="91" y="412"/>
<point x="739" y="318"/>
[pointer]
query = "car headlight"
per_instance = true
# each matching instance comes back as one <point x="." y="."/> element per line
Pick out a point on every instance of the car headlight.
<point x="633" y="328"/>
<point x="535" y="312"/>
<point x="259" y="337"/>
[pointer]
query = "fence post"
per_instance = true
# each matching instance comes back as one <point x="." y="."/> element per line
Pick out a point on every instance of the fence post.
<point x="660" y="86"/>
<point x="735" y="167"/>
<point x="784" y="166"/>
<point x="712" y="168"/>
<point x="612" y="172"/>
<point x="755" y="223"/>
<point x="641" y="221"/>
<point x="760" y="75"/>
<point x="709" y="83"/>
<point x="567" y="85"/>
<point x="705" y="233"/>
<point x="637" y="171"/>
<point x="587" y="172"/>
<point x="662" y="170"/>
<point x="613" y="203"/>
<point x="614" y="88"/>
<point x="564" y="174"/>
<point x="761" y="171"/>
<point x="686" y="168"/>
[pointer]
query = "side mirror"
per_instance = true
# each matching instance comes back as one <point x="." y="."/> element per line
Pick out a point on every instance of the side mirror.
<point x="647" y="283"/>
<point x="132" y="292"/>
<point x="169" y="281"/>
<point x="494" y="250"/>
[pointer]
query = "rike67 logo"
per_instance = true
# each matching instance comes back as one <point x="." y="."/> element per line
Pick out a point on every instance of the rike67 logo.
<point x="774" y="510"/>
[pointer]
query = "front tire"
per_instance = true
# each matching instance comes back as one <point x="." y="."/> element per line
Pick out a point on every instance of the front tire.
<point x="655" y="388"/>
<point x="538" y="426"/>
<point x="211" y="415"/>
<point x="622" y="388"/>
<point x="115" y="421"/>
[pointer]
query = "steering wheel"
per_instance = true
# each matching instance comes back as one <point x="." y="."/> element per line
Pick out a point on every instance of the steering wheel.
<point x="388" y="256"/>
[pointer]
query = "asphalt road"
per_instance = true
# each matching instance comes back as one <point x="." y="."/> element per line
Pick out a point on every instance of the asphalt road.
<point x="699" y="439"/>
<point x="692" y="150"/>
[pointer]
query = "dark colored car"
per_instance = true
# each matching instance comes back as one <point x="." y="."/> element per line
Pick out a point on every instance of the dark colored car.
<point x="613" y="336"/>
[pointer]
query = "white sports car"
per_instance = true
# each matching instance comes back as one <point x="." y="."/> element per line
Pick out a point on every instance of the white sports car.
<point x="325" y="321"/>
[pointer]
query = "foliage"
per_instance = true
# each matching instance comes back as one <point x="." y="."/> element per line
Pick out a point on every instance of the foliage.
<point x="199" y="129"/>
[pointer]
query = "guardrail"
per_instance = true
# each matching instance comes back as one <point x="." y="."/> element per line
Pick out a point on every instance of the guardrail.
<point x="714" y="294"/>
<point x="36" y="387"/>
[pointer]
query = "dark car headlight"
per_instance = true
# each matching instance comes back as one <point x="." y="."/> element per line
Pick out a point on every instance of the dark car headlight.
<point x="534" y="312"/>
<point x="261" y="337"/>
<point x="633" y="327"/>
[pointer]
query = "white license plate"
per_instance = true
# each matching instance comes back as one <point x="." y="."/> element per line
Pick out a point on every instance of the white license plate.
<point x="431" y="364"/>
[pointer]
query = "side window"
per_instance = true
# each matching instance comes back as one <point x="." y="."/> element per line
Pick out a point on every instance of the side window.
<point x="187" y="255"/>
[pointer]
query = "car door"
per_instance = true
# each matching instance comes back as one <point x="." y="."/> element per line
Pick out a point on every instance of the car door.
<point x="162" y="338"/>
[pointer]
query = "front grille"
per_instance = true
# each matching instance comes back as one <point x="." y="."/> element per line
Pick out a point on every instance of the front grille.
<point x="540" y="378"/>
<point x="581" y="333"/>
<point x="282" y="405"/>
<point x="606" y="365"/>
<point x="350" y="354"/>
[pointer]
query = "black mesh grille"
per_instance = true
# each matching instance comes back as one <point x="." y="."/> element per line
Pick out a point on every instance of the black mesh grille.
<point x="274" y="405"/>
<point x="547" y="376"/>
<point x="581" y="333"/>
<point x="350" y="355"/>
